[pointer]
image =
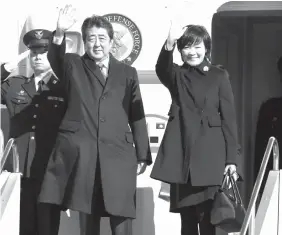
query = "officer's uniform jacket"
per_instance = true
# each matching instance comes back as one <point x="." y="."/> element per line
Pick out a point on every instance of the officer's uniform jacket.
<point x="34" y="119"/>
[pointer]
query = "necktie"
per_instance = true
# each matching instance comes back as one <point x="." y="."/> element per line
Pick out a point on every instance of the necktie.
<point x="40" y="86"/>
<point x="103" y="70"/>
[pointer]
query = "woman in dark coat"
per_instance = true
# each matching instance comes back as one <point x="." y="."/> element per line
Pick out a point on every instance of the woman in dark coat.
<point x="200" y="141"/>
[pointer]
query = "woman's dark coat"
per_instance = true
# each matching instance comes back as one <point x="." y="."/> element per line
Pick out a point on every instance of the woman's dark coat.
<point x="201" y="134"/>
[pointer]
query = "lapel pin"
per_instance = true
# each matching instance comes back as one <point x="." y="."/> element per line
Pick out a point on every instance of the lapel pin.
<point x="206" y="68"/>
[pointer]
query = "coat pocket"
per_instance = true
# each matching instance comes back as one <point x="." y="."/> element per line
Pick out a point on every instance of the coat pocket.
<point x="68" y="125"/>
<point x="214" y="121"/>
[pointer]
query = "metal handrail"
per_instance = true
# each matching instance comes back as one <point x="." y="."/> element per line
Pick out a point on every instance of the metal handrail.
<point x="272" y="144"/>
<point x="1" y="141"/>
<point x="3" y="158"/>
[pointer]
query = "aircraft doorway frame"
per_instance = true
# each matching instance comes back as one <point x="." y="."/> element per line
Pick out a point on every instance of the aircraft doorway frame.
<point x="226" y="32"/>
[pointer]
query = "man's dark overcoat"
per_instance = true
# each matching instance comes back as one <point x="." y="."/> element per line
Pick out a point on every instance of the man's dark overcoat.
<point x="201" y="134"/>
<point x="104" y="119"/>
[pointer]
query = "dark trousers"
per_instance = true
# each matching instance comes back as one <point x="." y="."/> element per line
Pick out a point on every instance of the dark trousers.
<point x="90" y="224"/>
<point x="36" y="218"/>
<point x="199" y="214"/>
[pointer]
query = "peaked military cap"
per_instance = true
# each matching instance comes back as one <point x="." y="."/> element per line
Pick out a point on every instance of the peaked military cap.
<point x="37" y="38"/>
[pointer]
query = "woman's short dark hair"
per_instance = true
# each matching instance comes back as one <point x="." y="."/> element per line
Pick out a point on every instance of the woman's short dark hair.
<point x="99" y="22"/>
<point x="195" y="34"/>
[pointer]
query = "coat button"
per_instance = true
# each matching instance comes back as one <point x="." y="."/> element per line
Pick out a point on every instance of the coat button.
<point x="33" y="127"/>
<point x="55" y="105"/>
<point x="36" y="105"/>
<point x="103" y="97"/>
<point x="34" y="116"/>
<point x="32" y="137"/>
<point x="102" y="119"/>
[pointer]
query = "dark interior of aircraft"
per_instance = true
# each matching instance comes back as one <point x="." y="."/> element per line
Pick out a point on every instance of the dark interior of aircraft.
<point x="246" y="40"/>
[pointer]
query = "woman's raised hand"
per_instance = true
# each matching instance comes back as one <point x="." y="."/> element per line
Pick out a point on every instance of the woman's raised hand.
<point x="175" y="32"/>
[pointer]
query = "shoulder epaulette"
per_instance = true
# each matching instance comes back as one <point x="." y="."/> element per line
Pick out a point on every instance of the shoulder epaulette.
<point x="13" y="77"/>
<point x="19" y="77"/>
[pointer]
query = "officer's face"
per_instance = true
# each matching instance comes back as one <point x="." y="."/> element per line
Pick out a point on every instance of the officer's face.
<point x="97" y="43"/>
<point x="194" y="54"/>
<point x="38" y="60"/>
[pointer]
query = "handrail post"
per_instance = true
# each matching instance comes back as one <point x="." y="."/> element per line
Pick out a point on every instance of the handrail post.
<point x="16" y="167"/>
<point x="252" y="222"/>
<point x="275" y="156"/>
<point x="249" y="214"/>
<point x="3" y="157"/>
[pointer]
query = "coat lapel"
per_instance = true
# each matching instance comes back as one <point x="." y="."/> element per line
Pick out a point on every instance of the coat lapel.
<point x="29" y="87"/>
<point x="115" y="72"/>
<point x="91" y="65"/>
<point x="209" y="83"/>
<point x="204" y="70"/>
<point x="188" y="84"/>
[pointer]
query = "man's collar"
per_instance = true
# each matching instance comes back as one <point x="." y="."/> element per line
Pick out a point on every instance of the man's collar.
<point x="45" y="77"/>
<point x="105" y="61"/>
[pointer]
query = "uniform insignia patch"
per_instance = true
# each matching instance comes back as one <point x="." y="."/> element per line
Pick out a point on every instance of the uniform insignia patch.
<point x="38" y="34"/>
<point x="56" y="98"/>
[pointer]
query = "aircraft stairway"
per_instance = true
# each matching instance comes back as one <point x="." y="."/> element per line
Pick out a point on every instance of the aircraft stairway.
<point x="267" y="220"/>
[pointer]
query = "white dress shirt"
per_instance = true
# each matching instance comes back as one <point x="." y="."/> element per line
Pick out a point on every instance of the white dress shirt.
<point x="45" y="77"/>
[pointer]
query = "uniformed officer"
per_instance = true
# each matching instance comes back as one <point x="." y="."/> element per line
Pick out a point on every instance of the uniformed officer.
<point x="36" y="106"/>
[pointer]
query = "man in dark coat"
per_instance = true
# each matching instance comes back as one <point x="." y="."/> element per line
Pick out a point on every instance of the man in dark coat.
<point x="36" y="106"/>
<point x="269" y="124"/>
<point x="94" y="164"/>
